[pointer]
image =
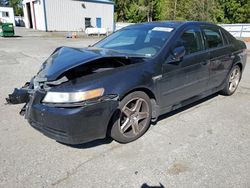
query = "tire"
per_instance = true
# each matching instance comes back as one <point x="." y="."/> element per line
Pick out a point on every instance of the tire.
<point x="133" y="118"/>
<point x="232" y="81"/>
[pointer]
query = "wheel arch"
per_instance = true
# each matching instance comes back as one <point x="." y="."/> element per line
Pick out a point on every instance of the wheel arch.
<point x="153" y="99"/>
<point x="237" y="61"/>
<point x="147" y="91"/>
<point x="154" y="103"/>
<point x="240" y="64"/>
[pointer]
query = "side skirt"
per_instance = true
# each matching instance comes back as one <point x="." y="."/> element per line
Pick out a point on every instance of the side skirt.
<point x="190" y="100"/>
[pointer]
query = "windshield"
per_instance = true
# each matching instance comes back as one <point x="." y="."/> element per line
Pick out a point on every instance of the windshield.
<point x="137" y="41"/>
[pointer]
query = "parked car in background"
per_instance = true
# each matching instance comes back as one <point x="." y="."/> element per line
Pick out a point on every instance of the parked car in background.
<point x="19" y="20"/>
<point x="96" y="31"/>
<point x="120" y="85"/>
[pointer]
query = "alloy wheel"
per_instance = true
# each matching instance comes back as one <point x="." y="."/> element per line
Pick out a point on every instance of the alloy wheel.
<point x="234" y="79"/>
<point x="134" y="117"/>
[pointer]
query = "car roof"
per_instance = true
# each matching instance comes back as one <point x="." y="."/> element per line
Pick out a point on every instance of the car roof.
<point x="173" y="24"/>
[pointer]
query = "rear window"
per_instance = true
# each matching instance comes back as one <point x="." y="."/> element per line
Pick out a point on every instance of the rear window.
<point x="213" y="37"/>
<point x="226" y="40"/>
<point x="229" y="37"/>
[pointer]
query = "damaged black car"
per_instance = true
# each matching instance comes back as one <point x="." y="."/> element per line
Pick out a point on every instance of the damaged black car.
<point x="118" y="86"/>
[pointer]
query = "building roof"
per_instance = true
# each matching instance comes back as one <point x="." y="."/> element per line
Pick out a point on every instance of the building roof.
<point x="100" y="1"/>
<point x="4" y="5"/>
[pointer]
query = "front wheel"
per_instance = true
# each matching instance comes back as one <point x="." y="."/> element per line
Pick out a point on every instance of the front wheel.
<point x="232" y="81"/>
<point x="133" y="118"/>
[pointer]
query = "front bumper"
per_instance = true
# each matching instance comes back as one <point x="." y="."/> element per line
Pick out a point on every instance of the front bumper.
<point x="70" y="125"/>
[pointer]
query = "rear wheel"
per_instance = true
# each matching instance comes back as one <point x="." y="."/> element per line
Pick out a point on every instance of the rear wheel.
<point x="232" y="81"/>
<point x="133" y="119"/>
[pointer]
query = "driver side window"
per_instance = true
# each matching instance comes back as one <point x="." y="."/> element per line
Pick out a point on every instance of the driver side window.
<point x="191" y="39"/>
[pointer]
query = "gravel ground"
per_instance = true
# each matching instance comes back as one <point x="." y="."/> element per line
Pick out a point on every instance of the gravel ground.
<point x="204" y="145"/>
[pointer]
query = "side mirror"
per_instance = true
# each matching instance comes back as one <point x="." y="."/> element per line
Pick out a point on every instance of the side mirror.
<point x="178" y="53"/>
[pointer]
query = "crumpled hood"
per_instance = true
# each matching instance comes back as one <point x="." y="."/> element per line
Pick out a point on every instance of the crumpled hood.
<point x="65" y="58"/>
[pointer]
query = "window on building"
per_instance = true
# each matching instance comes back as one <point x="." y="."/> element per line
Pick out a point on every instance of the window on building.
<point x="5" y="14"/>
<point x="87" y="23"/>
<point x="213" y="38"/>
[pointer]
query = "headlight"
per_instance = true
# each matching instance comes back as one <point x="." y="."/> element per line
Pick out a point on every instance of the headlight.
<point x="72" y="97"/>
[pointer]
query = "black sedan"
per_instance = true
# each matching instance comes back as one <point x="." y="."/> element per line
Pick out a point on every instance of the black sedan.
<point x="120" y="85"/>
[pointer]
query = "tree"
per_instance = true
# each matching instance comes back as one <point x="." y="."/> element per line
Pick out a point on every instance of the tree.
<point x="217" y="11"/>
<point x="135" y="10"/>
<point x="16" y="4"/>
<point x="236" y="11"/>
<point x="120" y="7"/>
<point x="134" y="13"/>
<point x="147" y="8"/>
<point x="203" y="10"/>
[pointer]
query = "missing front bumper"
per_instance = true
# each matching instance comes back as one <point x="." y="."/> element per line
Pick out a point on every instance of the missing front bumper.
<point x="75" y="125"/>
<point x="19" y="96"/>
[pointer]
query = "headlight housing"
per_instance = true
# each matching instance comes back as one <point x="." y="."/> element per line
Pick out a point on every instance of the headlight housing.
<point x="72" y="97"/>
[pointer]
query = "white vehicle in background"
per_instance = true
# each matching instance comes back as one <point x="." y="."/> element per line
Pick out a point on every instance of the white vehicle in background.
<point x="96" y="31"/>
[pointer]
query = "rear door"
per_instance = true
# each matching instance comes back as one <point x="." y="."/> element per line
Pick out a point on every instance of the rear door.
<point x="188" y="77"/>
<point x="220" y="55"/>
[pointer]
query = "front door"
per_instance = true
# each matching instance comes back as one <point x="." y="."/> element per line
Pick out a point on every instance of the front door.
<point x="188" y="77"/>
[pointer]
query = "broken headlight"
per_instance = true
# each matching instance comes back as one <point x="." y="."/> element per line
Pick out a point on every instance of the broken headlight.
<point x="72" y="97"/>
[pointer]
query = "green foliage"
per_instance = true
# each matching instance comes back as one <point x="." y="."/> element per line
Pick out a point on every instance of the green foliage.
<point x="134" y="13"/>
<point x="236" y="10"/>
<point x="217" y="11"/>
<point x="17" y="5"/>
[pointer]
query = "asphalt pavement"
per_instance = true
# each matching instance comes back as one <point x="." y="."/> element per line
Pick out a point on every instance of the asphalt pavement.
<point x="206" y="144"/>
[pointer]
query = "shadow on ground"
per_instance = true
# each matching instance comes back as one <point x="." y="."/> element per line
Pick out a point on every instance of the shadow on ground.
<point x="16" y="36"/>
<point x="91" y="144"/>
<point x="147" y="186"/>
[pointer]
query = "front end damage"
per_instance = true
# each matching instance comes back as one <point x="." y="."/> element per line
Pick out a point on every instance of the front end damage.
<point x="73" y="70"/>
<point x="19" y="96"/>
<point x="71" y="123"/>
<point x="74" y="123"/>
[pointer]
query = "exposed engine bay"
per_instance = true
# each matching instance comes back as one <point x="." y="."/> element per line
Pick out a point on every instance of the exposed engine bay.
<point x="40" y="82"/>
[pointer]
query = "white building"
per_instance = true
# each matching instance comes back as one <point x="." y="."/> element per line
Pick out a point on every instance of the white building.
<point x="68" y="15"/>
<point x="7" y="15"/>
